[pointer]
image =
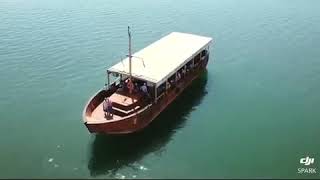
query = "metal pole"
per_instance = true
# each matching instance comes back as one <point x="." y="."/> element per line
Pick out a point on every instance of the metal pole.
<point x="108" y="79"/>
<point x="129" y="51"/>
<point x="155" y="93"/>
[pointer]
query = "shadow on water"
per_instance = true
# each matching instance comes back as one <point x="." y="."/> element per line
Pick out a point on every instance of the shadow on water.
<point x="111" y="153"/>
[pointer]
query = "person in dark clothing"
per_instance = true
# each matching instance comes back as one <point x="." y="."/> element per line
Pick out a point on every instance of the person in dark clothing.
<point x="107" y="107"/>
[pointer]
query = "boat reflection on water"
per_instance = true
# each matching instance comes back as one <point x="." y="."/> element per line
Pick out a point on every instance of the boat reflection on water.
<point x="111" y="153"/>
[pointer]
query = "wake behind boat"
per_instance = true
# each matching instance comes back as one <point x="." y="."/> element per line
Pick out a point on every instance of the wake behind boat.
<point x="138" y="91"/>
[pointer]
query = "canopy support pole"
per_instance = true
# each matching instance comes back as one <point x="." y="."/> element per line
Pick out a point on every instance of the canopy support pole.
<point x="155" y="93"/>
<point x="108" y="79"/>
<point x="130" y="56"/>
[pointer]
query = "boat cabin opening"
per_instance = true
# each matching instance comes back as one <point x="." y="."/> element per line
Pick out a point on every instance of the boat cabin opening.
<point x="154" y="91"/>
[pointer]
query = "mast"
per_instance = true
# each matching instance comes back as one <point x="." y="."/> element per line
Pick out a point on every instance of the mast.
<point x="130" y="56"/>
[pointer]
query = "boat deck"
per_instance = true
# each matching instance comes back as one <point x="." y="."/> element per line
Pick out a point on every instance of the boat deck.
<point x="97" y="115"/>
<point x="125" y="101"/>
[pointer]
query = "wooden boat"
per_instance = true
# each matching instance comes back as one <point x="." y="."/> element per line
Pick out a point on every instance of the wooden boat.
<point x="166" y="67"/>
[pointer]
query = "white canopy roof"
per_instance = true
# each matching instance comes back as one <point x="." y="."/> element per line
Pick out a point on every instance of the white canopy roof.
<point x="161" y="59"/>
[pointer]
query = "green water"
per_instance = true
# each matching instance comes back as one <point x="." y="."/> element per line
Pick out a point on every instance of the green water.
<point x="254" y="113"/>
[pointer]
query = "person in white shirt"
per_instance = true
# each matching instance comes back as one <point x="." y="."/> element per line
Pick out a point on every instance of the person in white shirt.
<point x="144" y="88"/>
<point x="145" y="92"/>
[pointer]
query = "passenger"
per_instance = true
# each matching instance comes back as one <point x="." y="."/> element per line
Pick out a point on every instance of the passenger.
<point x="183" y="72"/>
<point x="130" y="85"/>
<point x="136" y="88"/>
<point x="105" y="107"/>
<point x="168" y="85"/>
<point x="109" y="105"/>
<point x="172" y="83"/>
<point x="178" y="76"/>
<point x="191" y="66"/>
<point x="144" y="89"/>
<point x="188" y="69"/>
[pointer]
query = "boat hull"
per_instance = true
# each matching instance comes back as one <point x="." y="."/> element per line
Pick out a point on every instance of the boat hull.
<point x="143" y="117"/>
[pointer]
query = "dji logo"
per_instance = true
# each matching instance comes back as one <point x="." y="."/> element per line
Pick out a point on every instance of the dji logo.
<point x="307" y="161"/>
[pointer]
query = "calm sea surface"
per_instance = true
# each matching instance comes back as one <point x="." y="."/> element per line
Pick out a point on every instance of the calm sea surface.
<point x="254" y="113"/>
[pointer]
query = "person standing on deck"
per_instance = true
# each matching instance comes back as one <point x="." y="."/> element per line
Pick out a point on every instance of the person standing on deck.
<point x="130" y="85"/>
<point x="107" y="107"/>
<point x="110" y="110"/>
<point x="178" y="76"/>
<point x="183" y="72"/>
<point x="144" y="90"/>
